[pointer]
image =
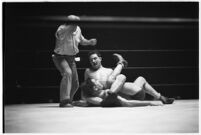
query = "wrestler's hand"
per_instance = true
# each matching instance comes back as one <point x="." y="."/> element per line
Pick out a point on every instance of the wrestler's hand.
<point x="93" y="41"/>
<point x="97" y="84"/>
<point x="156" y="103"/>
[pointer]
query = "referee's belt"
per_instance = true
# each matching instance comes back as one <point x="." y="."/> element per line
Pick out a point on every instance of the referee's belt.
<point x="76" y="58"/>
<point x="62" y="54"/>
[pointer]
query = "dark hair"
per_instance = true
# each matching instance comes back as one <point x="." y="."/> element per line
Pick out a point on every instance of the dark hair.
<point x="94" y="52"/>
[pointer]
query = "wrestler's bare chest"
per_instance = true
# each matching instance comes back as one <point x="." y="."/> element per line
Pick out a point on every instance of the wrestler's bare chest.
<point x="101" y="75"/>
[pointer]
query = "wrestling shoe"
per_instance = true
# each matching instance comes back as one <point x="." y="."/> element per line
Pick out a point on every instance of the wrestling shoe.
<point x="166" y="100"/>
<point x="65" y="103"/>
<point x="120" y="59"/>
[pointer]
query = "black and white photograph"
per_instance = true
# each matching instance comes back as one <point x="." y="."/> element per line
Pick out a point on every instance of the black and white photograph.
<point x="100" y="67"/>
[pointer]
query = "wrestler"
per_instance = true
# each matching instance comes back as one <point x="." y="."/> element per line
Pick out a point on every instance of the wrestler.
<point x="104" y="86"/>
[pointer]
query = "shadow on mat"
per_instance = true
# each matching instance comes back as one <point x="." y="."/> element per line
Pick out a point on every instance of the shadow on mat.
<point x="49" y="106"/>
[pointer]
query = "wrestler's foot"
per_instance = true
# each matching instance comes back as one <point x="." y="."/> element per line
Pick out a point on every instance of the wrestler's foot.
<point x="166" y="100"/>
<point x="120" y="59"/>
<point x="65" y="103"/>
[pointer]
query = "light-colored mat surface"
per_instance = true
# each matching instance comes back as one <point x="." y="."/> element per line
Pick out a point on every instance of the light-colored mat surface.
<point x="180" y="117"/>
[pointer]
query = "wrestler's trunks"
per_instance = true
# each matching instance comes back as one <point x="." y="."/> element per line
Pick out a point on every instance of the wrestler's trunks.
<point x="111" y="101"/>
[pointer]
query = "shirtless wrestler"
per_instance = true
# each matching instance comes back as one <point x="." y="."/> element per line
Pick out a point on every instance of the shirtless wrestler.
<point x="104" y="86"/>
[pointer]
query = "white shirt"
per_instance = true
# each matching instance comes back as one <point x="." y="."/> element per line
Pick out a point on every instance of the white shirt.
<point x="67" y="41"/>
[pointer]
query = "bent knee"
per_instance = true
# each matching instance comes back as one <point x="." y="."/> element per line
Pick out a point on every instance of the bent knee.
<point x="121" y="77"/>
<point x="141" y="79"/>
<point x="67" y="72"/>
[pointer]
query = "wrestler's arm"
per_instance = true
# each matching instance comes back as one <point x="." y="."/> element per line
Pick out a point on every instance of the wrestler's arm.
<point x="96" y="82"/>
<point x="94" y="100"/>
<point x="86" y="74"/>
<point x="84" y="41"/>
<point x="135" y="103"/>
<point x="85" y="78"/>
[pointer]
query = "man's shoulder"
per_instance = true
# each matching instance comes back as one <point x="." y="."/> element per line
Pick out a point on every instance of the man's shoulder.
<point x="63" y="26"/>
<point x="87" y="70"/>
<point x="107" y="69"/>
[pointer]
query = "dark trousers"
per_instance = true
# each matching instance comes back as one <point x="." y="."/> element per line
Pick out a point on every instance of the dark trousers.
<point x="69" y="82"/>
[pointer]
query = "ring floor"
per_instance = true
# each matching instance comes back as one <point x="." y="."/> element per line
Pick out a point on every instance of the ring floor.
<point x="180" y="117"/>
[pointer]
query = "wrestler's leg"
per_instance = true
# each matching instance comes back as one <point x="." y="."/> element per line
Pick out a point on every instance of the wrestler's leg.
<point x="75" y="80"/>
<point x="114" y="74"/>
<point x="66" y="81"/>
<point x="121" y="63"/>
<point x="139" y="84"/>
<point x="135" y="103"/>
<point x="118" y="83"/>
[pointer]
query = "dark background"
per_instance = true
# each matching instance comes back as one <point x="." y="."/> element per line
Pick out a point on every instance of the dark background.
<point x="166" y="54"/>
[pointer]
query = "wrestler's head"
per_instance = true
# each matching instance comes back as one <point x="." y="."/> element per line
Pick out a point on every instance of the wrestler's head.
<point x="95" y="59"/>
